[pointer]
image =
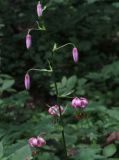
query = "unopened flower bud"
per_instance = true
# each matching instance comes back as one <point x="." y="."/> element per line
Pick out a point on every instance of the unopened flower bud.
<point x="33" y="142"/>
<point x="39" y="9"/>
<point x="27" y="81"/>
<point x="54" y="110"/>
<point x="84" y="102"/>
<point x="76" y="102"/>
<point x="28" y="41"/>
<point x="75" y="54"/>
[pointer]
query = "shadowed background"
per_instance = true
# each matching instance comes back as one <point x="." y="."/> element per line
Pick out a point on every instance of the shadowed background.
<point x="93" y="26"/>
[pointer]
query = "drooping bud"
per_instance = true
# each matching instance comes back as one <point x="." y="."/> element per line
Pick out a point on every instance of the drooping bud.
<point x="27" y="81"/>
<point x="76" y="102"/>
<point x="54" y="110"/>
<point x="28" y="41"/>
<point x="33" y="142"/>
<point x="75" y="54"/>
<point x="39" y="9"/>
<point x="84" y="102"/>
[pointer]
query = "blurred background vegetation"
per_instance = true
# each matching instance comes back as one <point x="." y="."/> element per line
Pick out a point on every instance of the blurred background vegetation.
<point x="93" y="26"/>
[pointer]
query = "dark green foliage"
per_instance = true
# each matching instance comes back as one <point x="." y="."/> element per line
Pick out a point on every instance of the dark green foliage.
<point x="93" y="26"/>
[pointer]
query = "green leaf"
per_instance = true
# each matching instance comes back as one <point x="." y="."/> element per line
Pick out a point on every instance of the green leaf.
<point x="47" y="156"/>
<point x="109" y="150"/>
<point x="88" y="152"/>
<point x="1" y="102"/>
<point x="7" y="84"/>
<point x="91" y="1"/>
<point x="67" y="93"/>
<point x="22" y="154"/>
<point x="64" y="81"/>
<point x="1" y="149"/>
<point x="5" y="158"/>
<point x="116" y="4"/>
<point x="114" y="113"/>
<point x="71" y="139"/>
<point x="113" y="158"/>
<point x="71" y="82"/>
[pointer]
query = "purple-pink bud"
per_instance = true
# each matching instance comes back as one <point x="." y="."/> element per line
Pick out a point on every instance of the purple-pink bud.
<point x="27" y="81"/>
<point x="36" y="142"/>
<point x="39" y="9"/>
<point x="76" y="102"/>
<point x="75" y="54"/>
<point x="28" y="41"/>
<point x="54" y="110"/>
<point x="84" y="102"/>
<point x="33" y="142"/>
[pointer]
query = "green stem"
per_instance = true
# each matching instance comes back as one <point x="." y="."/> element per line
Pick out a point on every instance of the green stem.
<point x="60" y="112"/>
<point x="33" y="29"/>
<point x="40" y="70"/>
<point x="64" y="46"/>
<point x="36" y="29"/>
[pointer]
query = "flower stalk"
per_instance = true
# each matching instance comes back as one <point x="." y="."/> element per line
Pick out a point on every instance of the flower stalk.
<point x="74" y="50"/>
<point x="55" y="48"/>
<point x="60" y="111"/>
